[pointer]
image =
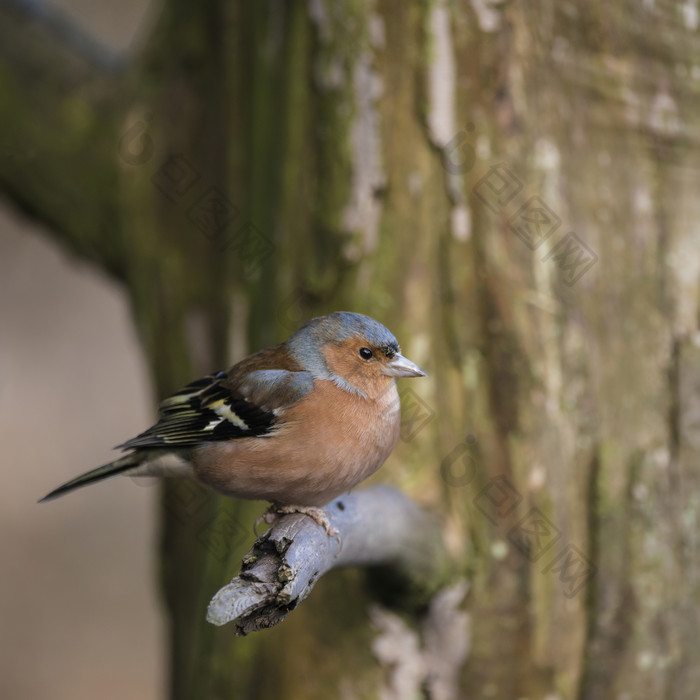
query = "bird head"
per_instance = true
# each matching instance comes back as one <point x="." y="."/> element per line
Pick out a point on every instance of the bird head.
<point x="356" y="352"/>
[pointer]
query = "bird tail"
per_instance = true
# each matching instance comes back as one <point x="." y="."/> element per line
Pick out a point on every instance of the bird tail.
<point x="118" y="466"/>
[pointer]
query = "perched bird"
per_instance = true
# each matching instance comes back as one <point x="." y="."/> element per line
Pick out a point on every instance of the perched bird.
<point x="297" y="424"/>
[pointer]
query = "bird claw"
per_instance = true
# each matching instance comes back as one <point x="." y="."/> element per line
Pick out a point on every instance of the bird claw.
<point x="268" y="517"/>
<point x="318" y="515"/>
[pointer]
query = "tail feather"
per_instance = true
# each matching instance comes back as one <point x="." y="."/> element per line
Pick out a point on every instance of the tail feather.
<point x="104" y="472"/>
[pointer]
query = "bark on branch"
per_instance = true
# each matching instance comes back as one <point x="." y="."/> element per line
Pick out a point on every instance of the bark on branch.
<point x="379" y="527"/>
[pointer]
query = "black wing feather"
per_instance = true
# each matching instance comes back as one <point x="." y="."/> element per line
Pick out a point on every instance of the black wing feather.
<point x="205" y="410"/>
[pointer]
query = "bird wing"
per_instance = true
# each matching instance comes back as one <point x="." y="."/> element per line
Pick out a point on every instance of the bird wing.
<point x="224" y="406"/>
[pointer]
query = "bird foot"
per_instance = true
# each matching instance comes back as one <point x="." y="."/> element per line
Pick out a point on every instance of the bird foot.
<point x="318" y="515"/>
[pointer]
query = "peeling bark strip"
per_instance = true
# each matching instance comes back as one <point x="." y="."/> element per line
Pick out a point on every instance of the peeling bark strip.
<point x="378" y="526"/>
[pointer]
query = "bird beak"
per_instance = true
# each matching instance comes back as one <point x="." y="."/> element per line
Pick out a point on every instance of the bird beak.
<point x="400" y="366"/>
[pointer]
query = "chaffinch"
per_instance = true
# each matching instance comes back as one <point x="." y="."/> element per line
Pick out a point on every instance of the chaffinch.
<point x="297" y="424"/>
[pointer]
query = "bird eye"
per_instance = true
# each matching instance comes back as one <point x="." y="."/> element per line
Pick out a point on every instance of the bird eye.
<point x="365" y="353"/>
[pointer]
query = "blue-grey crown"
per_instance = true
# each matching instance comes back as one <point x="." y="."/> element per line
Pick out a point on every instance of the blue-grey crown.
<point x="336" y="327"/>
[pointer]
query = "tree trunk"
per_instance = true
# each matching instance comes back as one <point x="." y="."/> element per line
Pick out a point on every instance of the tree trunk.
<point x="510" y="188"/>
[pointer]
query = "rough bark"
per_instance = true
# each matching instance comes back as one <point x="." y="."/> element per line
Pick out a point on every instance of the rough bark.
<point x="376" y="527"/>
<point x="426" y="163"/>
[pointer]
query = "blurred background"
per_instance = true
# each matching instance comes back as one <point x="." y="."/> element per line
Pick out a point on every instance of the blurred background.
<point x="79" y="611"/>
<point x="511" y="187"/>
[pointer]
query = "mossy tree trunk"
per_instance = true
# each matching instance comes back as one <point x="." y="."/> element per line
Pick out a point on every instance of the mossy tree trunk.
<point x="511" y="188"/>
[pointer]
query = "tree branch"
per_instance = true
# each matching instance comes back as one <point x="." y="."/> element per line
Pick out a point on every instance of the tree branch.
<point x="379" y="527"/>
<point x="59" y="93"/>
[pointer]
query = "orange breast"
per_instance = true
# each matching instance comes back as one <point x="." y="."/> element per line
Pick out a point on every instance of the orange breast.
<point x="326" y="444"/>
